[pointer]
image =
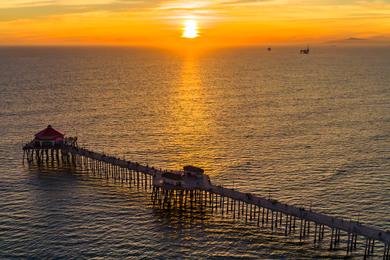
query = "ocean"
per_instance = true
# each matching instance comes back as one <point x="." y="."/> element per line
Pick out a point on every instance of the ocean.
<point x="309" y="130"/>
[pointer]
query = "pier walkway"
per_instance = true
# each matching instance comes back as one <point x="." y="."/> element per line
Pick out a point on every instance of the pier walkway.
<point x="175" y="189"/>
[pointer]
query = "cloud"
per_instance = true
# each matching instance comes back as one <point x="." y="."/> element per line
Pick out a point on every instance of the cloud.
<point x="6" y="4"/>
<point x="20" y="4"/>
<point x="22" y="9"/>
<point x="84" y="2"/>
<point x="355" y="39"/>
<point x="246" y="2"/>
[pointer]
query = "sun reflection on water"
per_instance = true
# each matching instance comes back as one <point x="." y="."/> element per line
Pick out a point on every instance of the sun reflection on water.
<point x="192" y="114"/>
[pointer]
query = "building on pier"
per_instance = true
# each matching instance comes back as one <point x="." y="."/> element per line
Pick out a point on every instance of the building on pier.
<point x="49" y="137"/>
<point x="172" y="178"/>
<point x="193" y="171"/>
<point x="195" y="177"/>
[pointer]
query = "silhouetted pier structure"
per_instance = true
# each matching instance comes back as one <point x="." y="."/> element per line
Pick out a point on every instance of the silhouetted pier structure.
<point x="192" y="188"/>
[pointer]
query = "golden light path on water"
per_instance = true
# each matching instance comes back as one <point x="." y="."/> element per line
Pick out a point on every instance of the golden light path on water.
<point x="193" y="114"/>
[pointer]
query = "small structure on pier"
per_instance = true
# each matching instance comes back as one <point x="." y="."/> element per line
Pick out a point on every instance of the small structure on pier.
<point x="191" y="178"/>
<point x="193" y="171"/>
<point x="49" y="137"/>
<point x="173" y="178"/>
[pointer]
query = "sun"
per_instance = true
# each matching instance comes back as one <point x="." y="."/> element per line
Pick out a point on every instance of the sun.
<point x="190" y="29"/>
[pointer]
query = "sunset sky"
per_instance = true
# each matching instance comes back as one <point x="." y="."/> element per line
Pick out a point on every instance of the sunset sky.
<point x="207" y="23"/>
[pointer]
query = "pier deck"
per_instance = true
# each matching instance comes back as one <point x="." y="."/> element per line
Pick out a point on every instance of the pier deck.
<point x="205" y="189"/>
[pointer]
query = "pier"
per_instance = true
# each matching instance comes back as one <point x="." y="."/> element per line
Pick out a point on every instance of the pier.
<point x="192" y="188"/>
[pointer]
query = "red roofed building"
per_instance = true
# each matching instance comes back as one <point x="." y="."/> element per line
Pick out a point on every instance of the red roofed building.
<point x="49" y="136"/>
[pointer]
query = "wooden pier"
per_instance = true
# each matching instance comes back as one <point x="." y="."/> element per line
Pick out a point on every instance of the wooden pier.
<point x="175" y="190"/>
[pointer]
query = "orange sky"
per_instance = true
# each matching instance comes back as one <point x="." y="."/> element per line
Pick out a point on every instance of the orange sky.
<point x="220" y="22"/>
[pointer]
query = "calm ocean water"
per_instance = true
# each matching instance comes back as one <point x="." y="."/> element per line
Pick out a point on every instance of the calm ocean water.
<point x="310" y="130"/>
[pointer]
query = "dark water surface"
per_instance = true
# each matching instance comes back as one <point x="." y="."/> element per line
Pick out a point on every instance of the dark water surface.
<point x="310" y="130"/>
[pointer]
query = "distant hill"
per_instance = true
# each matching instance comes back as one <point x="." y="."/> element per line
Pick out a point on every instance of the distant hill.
<point x="355" y="39"/>
<point x="377" y="40"/>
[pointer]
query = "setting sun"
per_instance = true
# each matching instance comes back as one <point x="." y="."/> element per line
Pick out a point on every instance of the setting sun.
<point x="190" y="29"/>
